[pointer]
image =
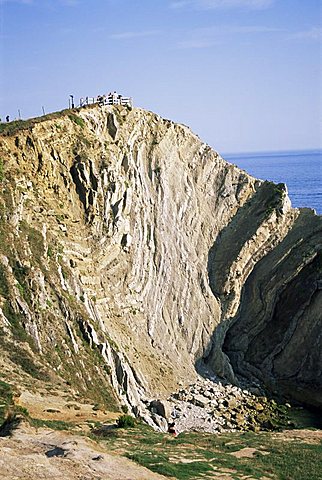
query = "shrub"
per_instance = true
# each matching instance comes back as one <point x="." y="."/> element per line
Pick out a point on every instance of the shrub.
<point x="4" y="286"/>
<point x="78" y="120"/>
<point x="10" y="424"/>
<point x="125" y="421"/>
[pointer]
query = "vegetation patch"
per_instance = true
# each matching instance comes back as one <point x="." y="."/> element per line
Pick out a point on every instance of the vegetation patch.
<point x="161" y="464"/>
<point x="78" y="120"/>
<point x="21" y="273"/>
<point x="24" y="360"/>
<point x="6" y="400"/>
<point x="4" y="287"/>
<point x="200" y="455"/>
<point x="125" y="421"/>
<point x="16" y="351"/>
<point x="9" y="413"/>
<point x="16" y="322"/>
<point x="35" y="240"/>
<point x="8" y="410"/>
<point x="11" y="128"/>
<point x="54" y="424"/>
<point x="86" y="371"/>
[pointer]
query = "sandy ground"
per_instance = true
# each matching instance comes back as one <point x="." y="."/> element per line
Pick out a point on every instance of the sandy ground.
<point x="31" y="454"/>
<point x="59" y="406"/>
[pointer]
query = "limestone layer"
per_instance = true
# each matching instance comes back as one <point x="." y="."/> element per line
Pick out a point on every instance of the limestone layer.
<point x="132" y="253"/>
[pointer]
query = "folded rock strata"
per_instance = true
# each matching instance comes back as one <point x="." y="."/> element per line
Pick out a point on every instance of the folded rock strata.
<point x="133" y="256"/>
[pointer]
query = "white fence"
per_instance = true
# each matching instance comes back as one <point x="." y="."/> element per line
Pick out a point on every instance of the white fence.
<point x="112" y="99"/>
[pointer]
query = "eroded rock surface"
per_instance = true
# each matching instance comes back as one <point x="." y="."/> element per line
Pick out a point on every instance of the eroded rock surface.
<point x="132" y="252"/>
<point x="29" y="454"/>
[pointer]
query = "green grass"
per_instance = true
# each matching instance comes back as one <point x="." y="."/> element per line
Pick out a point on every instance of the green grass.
<point x="21" y="273"/>
<point x="9" y="410"/>
<point x="4" y="287"/>
<point x="293" y="461"/>
<point x="24" y="360"/>
<point x="6" y="400"/>
<point x="16" y="322"/>
<point x="197" y="455"/>
<point x="162" y="465"/>
<point x="11" y="128"/>
<point x="78" y="120"/>
<point x="125" y="421"/>
<point x="54" y="424"/>
<point x="16" y="351"/>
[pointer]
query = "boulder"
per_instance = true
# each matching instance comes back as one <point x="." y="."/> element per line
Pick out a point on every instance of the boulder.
<point x="162" y="408"/>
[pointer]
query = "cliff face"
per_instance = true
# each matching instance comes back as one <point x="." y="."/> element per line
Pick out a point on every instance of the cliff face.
<point x="132" y="253"/>
<point x="276" y="334"/>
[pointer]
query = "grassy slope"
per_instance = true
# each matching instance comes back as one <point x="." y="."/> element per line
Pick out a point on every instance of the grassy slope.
<point x="197" y="455"/>
<point x="15" y="126"/>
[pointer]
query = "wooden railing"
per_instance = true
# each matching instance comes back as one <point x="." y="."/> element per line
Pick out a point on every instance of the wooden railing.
<point x="112" y="99"/>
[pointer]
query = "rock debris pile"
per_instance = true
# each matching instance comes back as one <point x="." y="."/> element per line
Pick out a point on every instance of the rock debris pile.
<point x="215" y="406"/>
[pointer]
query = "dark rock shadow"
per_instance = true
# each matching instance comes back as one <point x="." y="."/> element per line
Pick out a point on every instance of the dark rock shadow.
<point x="55" y="452"/>
<point x="275" y="337"/>
<point x="10" y="424"/>
<point x="105" y="430"/>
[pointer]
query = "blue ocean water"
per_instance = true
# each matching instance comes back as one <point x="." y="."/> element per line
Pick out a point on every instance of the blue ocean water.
<point x="300" y="170"/>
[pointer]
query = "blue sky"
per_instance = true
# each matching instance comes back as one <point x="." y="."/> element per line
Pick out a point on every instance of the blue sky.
<point x="245" y="75"/>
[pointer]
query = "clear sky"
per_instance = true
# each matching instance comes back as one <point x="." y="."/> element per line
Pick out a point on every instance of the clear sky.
<point x="245" y="75"/>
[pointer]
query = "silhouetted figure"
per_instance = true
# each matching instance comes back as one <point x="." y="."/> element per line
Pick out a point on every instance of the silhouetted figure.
<point x="7" y="118"/>
<point x="172" y="429"/>
<point x="101" y="99"/>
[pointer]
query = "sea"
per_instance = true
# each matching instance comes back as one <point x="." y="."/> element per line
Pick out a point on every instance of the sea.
<point x="300" y="170"/>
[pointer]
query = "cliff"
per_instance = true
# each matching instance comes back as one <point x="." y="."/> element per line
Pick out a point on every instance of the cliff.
<point x="133" y="256"/>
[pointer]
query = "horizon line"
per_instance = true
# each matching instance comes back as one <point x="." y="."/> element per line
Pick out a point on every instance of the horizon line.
<point x="256" y="153"/>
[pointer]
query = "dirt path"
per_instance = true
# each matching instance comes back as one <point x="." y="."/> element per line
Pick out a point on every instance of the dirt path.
<point x="59" y="406"/>
<point x="302" y="436"/>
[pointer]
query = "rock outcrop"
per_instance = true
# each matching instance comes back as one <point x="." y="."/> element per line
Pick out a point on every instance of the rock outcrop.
<point x="44" y="453"/>
<point x="133" y="256"/>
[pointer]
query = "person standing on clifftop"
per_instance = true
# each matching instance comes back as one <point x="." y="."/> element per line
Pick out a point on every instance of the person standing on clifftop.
<point x="7" y="118"/>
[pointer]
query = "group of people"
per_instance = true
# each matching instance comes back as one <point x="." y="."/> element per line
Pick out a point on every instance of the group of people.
<point x="7" y="119"/>
<point x="112" y="98"/>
